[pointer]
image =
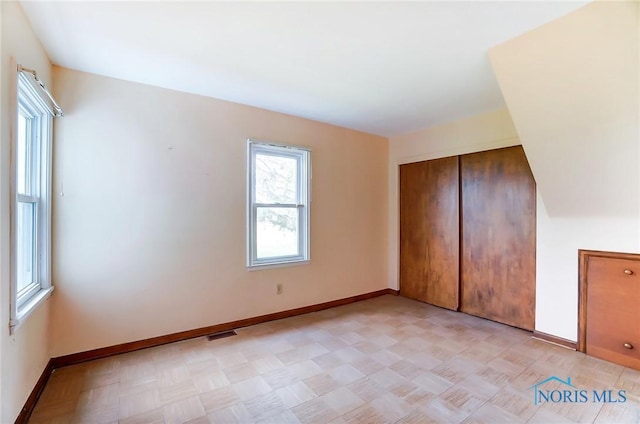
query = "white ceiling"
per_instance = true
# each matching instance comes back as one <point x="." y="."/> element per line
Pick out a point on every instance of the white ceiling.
<point x="383" y="68"/>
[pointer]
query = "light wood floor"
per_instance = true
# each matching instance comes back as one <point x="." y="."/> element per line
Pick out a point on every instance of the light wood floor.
<point x="385" y="360"/>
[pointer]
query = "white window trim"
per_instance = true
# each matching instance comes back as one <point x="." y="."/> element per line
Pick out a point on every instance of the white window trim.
<point x="21" y="309"/>
<point x="304" y="205"/>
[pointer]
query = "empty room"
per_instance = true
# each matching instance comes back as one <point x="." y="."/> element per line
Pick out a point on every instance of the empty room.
<point x="320" y="212"/>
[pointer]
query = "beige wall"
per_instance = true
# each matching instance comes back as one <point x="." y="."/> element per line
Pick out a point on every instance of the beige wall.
<point x="572" y="88"/>
<point x="24" y="355"/>
<point x="149" y="213"/>
<point x="486" y="131"/>
<point x="149" y="185"/>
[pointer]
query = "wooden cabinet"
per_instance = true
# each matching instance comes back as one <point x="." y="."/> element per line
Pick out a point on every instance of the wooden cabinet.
<point x="612" y="308"/>
<point x="467" y="235"/>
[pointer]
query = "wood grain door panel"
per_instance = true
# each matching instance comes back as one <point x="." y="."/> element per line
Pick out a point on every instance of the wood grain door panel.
<point x="613" y="314"/>
<point x="429" y="235"/>
<point x="498" y="237"/>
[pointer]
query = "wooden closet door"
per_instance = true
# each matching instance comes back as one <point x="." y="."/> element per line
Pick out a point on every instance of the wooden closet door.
<point x="429" y="237"/>
<point x="498" y="237"/>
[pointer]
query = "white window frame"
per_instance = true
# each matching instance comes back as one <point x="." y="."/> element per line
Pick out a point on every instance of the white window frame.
<point x="302" y="205"/>
<point x="31" y="103"/>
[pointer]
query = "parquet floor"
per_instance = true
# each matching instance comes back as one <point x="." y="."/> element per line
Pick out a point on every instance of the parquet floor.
<point x="384" y="360"/>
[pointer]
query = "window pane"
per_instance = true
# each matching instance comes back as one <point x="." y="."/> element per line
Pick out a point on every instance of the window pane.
<point x="22" y="160"/>
<point x="276" y="179"/>
<point x="277" y="232"/>
<point x="26" y="245"/>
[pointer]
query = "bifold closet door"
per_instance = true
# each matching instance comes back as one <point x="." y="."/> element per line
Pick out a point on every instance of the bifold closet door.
<point x="498" y="237"/>
<point x="429" y="237"/>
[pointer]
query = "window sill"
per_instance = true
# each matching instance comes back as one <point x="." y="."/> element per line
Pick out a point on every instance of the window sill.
<point x="259" y="267"/>
<point x="27" y="309"/>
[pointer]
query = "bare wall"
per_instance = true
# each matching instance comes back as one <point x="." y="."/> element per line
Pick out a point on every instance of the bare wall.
<point x="150" y="213"/>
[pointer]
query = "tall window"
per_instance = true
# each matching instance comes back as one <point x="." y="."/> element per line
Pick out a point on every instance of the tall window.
<point x="278" y="209"/>
<point x="30" y="222"/>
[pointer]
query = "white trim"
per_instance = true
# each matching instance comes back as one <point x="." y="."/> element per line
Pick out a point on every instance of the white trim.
<point x="277" y="265"/>
<point x="33" y="94"/>
<point x="26" y="99"/>
<point x="302" y="155"/>
<point x="280" y="145"/>
<point x="27" y="309"/>
<point x="38" y="88"/>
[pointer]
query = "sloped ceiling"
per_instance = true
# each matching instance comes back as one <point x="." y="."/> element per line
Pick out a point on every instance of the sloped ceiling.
<point x="573" y="90"/>
<point x="383" y="68"/>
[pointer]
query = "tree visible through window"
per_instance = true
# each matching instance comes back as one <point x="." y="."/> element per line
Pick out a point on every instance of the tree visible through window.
<point x="278" y="202"/>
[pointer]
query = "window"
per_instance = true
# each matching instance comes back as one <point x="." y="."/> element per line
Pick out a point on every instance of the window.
<point x="30" y="220"/>
<point x="278" y="204"/>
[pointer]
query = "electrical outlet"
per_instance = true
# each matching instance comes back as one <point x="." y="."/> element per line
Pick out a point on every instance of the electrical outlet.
<point x="279" y="289"/>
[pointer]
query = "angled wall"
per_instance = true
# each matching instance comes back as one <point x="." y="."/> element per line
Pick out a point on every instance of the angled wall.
<point x="572" y="89"/>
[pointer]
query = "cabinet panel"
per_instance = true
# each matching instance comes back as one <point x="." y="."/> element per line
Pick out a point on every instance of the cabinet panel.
<point x="429" y="237"/>
<point x="613" y="311"/>
<point x="498" y="237"/>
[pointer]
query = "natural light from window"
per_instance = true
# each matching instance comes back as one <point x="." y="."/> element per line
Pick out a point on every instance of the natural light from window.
<point x="31" y="206"/>
<point x="276" y="182"/>
<point x="278" y="206"/>
<point x="27" y="191"/>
